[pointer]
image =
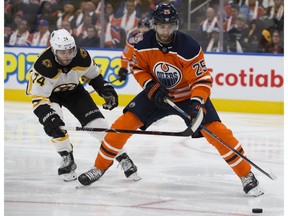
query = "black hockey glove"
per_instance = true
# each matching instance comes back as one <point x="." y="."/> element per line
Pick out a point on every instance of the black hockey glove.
<point x="110" y="96"/>
<point x="195" y="105"/>
<point x="122" y="74"/>
<point x="157" y="93"/>
<point x="52" y="123"/>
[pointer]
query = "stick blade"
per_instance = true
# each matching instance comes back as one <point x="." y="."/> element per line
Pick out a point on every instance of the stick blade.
<point x="272" y="175"/>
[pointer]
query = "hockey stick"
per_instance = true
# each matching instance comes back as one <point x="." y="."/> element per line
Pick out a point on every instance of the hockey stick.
<point x="187" y="132"/>
<point x="110" y="82"/>
<point x="210" y="133"/>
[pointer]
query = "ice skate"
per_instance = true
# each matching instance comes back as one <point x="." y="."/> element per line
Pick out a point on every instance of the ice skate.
<point x="90" y="176"/>
<point x="250" y="185"/>
<point x="130" y="169"/>
<point x="68" y="166"/>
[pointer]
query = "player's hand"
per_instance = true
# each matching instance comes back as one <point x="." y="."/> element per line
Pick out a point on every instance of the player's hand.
<point x="122" y="74"/>
<point x="52" y="125"/>
<point x="111" y="98"/>
<point x="158" y="93"/>
<point x="195" y="105"/>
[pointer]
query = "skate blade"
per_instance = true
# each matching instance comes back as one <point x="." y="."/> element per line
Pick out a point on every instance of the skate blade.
<point x="135" y="177"/>
<point x="255" y="192"/>
<point x="79" y="186"/>
<point x="69" y="176"/>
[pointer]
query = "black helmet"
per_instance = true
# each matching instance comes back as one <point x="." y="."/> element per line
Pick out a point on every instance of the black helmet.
<point x="165" y="13"/>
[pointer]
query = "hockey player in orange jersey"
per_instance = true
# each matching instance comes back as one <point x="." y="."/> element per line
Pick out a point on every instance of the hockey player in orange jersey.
<point x="126" y="57"/>
<point x="170" y="64"/>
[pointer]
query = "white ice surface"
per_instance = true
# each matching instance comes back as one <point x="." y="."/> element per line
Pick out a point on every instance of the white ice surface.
<point x="180" y="176"/>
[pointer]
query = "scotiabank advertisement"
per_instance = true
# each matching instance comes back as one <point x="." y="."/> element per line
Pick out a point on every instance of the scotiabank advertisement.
<point x="247" y="77"/>
<point x="236" y="76"/>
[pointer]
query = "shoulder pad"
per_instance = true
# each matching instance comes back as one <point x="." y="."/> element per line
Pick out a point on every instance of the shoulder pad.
<point x="82" y="58"/>
<point x="46" y="64"/>
<point x="138" y="37"/>
<point x="145" y="40"/>
<point x="131" y="38"/>
<point x="186" y="46"/>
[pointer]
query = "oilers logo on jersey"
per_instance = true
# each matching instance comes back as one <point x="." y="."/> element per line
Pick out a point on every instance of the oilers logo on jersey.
<point x="168" y="75"/>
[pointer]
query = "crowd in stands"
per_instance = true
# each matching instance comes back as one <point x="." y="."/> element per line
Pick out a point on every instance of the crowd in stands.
<point x="248" y="25"/>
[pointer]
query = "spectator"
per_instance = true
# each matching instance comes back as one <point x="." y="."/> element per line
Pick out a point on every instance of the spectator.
<point x="256" y="11"/>
<point x="17" y="20"/>
<point x="97" y="4"/>
<point x="252" y="11"/>
<point x="252" y="37"/>
<point x="227" y="9"/>
<point x="109" y="9"/>
<point x="68" y="15"/>
<point x="265" y="39"/>
<point x="92" y="39"/>
<point x="18" y="6"/>
<point x="233" y="44"/>
<point x="122" y="7"/>
<point x="267" y="3"/>
<point x="209" y="23"/>
<point x="79" y="15"/>
<point x="48" y="11"/>
<point x="214" y="42"/>
<point x="129" y="19"/>
<point x="81" y="31"/>
<point x="30" y="14"/>
<point x="112" y="31"/>
<point x="86" y="8"/>
<point x="42" y="36"/>
<point x="20" y="36"/>
<point x="7" y="34"/>
<point x="231" y="21"/>
<point x="8" y="16"/>
<point x="67" y="25"/>
<point x="276" y="14"/>
<point x="113" y="36"/>
<point x="275" y="45"/>
<point x="241" y="28"/>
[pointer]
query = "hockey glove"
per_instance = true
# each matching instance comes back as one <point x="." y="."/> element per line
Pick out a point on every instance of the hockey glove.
<point x="110" y="96"/>
<point x="122" y="74"/>
<point x="52" y="123"/>
<point x="157" y="93"/>
<point x="195" y="105"/>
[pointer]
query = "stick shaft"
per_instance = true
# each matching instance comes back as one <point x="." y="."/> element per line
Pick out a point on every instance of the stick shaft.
<point x="172" y="104"/>
<point x="187" y="132"/>
<point x="235" y="151"/>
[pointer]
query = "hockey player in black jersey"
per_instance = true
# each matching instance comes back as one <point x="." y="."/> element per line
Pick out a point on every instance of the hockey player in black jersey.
<point x="54" y="82"/>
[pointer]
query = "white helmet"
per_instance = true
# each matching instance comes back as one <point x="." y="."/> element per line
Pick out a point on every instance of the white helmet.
<point x="62" y="40"/>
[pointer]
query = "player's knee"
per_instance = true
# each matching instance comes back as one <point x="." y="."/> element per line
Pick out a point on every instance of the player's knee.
<point x="97" y="123"/>
<point x="219" y="129"/>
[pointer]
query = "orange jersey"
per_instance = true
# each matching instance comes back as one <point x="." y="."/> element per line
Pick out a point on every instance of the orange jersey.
<point x="182" y="70"/>
<point x="127" y="53"/>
